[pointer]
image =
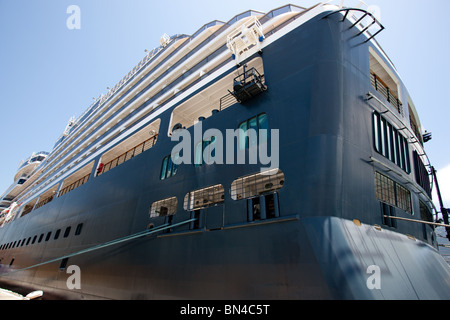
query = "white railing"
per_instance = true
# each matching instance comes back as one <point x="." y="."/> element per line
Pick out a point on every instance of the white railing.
<point x="104" y="97"/>
<point x="247" y="35"/>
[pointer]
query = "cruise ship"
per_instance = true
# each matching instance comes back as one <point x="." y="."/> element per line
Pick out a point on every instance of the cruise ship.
<point x="273" y="156"/>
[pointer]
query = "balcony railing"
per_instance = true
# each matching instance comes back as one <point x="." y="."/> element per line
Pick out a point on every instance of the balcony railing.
<point x="74" y="185"/>
<point x="382" y="88"/>
<point x="127" y="155"/>
<point x="41" y="203"/>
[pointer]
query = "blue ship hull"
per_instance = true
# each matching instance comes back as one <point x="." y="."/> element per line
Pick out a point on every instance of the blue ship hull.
<point x="321" y="245"/>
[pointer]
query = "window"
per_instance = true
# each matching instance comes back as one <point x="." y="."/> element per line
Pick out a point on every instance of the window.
<point x="390" y="192"/>
<point x="78" y="229"/>
<point x="404" y="199"/>
<point x="168" y="168"/>
<point x="384" y="189"/>
<point x="203" y="198"/>
<point x="390" y="143"/>
<point x="67" y="232"/>
<point x="425" y="212"/>
<point x="57" y="234"/>
<point x="252" y="136"/>
<point x="388" y="215"/>
<point x="63" y="264"/>
<point x="256" y="184"/>
<point x="421" y="173"/>
<point x="164" y="207"/>
<point x="202" y="157"/>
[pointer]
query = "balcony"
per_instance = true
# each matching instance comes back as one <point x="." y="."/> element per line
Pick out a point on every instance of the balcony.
<point x="386" y="92"/>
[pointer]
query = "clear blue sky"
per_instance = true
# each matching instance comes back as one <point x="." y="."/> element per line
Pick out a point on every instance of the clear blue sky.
<point x="49" y="73"/>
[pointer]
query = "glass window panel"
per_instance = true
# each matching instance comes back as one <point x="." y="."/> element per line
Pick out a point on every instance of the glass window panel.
<point x="388" y="141"/>
<point x="406" y="155"/>
<point x="383" y="136"/>
<point x="253" y="138"/>
<point x="394" y="146"/>
<point x="263" y="125"/>
<point x="198" y="154"/>
<point x="175" y="166"/>
<point x="213" y="147"/>
<point x="376" y="133"/>
<point x="402" y="151"/>
<point x="404" y="199"/>
<point x="164" y="207"/>
<point x="204" y="197"/>
<point x="242" y="137"/>
<point x="256" y="184"/>
<point x="164" y="168"/>
<point x="169" y="167"/>
<point x="384" y="189"/>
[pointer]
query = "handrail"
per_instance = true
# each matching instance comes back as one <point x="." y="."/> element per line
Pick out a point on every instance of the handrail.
<point x="365" y="14"/>
<point x="117" y="161"/>
<point x="106" y="244"/>
<point x="384" y="89"/>
<point x="419" y="221"/>
<point x="74" y="185"/>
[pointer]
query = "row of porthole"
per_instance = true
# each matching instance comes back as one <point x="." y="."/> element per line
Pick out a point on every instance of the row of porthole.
<point x="33" y="240"/>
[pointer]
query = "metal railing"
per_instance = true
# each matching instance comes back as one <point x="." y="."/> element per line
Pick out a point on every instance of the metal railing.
<point x="227" y="101"/>
<point x="382" y="88"/>
<point x="74" y="185"/>
<point x="127" y="155"/>
<point x="41" y="203"/>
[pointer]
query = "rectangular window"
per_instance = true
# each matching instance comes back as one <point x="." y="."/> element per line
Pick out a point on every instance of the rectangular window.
<point x="257" y="184"/>
<point x="404" y="199"/>
<point x="421" y="173"/>
<point x="63" y="264"/>
<point x="164" y="168"/>
<point x="164" y="207"/>
<point x="390" y="192"/>
<point x="376" y="132"/>
<point x="168" y="168"/>
<point x="390" y="143"/>
<point x="384" y="189"/>
<point x="203" y="198"/>
<point x="253" y="138"/>
<point x="205" y="151"/>
<point x="78" y="229"/>
<point x="57" y="234"/>
<point x="383" y="137"/>
<point x="242" y="138"/>
<point x="252" y="135"/>
<point x="198" y="154"/>
<point x="67" y="232"/>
